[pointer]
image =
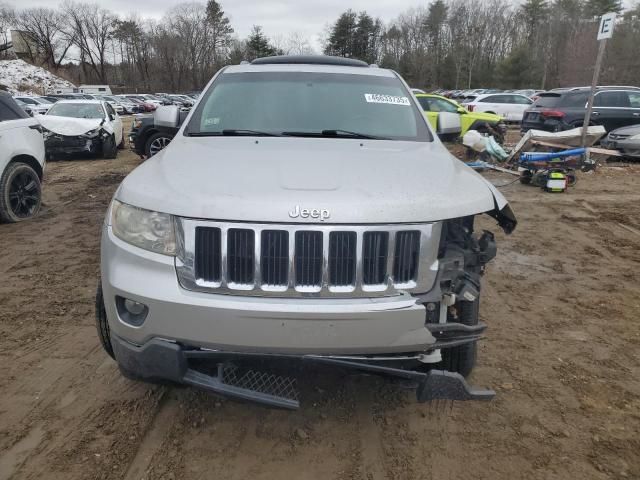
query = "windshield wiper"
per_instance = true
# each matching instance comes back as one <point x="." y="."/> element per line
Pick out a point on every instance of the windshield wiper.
<point x="334" y="133"/>
<point x="234" y="132"/>
<point x="241" y="131"/>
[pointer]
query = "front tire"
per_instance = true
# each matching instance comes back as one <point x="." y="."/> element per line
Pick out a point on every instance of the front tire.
<point x="462" y="359"/>
<point x="20" y="193"/>
<point x="109" y="147"/>
<point x="104" y="333"/>
<point x="156" y="142"/>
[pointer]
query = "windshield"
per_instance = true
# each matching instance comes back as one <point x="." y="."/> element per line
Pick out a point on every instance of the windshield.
<point x="29" y="101"/>
<point x="77" y="110"/>
<point x="309" y="104"/>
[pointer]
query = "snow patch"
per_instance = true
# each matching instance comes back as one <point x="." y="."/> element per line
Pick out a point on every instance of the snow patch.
<point x="18" y="76"/>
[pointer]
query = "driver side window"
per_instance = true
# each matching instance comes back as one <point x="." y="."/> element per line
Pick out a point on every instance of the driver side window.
<point x="439" y="105"/>
<point x="110" y="110"/>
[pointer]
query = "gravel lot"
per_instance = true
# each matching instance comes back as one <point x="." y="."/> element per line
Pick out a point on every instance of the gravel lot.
<point x="562" y="301"/>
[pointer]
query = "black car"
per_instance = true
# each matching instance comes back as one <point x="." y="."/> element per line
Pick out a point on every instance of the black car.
<point x="146" y="138"/>
<point x="563" y="109"/>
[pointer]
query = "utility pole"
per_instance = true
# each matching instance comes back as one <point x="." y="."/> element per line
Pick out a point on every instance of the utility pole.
<point x="605" y="31"/>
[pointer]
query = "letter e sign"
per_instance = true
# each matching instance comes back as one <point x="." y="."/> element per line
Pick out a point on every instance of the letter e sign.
<point x="607" y="21"/>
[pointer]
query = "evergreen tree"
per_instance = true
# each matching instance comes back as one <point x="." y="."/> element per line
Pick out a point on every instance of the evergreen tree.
<point x="434" y="24"/>
<point x="220" y="30"/>
<point x="341" y="38"/>
<point x="535" y="14"/>
<point x="596" y="8"/>
<point x="366" y="38"/>
<point x="258" y="45"/>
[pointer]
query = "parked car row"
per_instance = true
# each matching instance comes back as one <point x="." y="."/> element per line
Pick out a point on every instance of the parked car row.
<point x="123" y="104"/>
<point x="471" y="94"/>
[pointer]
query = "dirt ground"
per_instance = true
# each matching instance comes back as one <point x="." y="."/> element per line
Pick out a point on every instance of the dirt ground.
<point x="562" y="301"/>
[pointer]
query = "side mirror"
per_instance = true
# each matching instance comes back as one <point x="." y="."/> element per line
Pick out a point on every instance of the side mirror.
<point x="462" y="110"/>
<point x="167" y="116"/>
<point x="448" y="123"/>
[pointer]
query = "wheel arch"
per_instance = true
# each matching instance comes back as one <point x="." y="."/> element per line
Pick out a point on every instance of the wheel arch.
<point x="29" y="160"/>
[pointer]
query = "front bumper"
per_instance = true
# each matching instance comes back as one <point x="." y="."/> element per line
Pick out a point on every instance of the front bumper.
<point x="161" y="360"/>
<point x="253" y="324"/>
<point x="628" y="147"/>
<point x="67" y="145"/>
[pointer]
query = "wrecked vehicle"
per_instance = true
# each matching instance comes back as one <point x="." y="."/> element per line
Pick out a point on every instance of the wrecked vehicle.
<point x="337" y="231"/>
<point x="82" y="126"/>
<point x="625" y="139"/>
<point x="21" y="162"/>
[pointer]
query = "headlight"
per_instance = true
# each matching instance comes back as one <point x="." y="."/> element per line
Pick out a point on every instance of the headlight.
<point x="635" y="137"/>
<point x="149" y="230"/>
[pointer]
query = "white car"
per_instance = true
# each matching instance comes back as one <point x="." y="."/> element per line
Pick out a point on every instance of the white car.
<point x="120" y="110"/>
<point x="82" y="126"/>
<point x="510" y="106"/>
<point x="22" y="162"/>
<point x="37" y="105"/>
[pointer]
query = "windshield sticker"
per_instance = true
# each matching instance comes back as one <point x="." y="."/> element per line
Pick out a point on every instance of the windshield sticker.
<point x="390" y="99"/>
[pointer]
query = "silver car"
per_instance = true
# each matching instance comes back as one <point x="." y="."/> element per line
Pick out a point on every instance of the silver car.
<point x="625" y="139"/>
<point x="304" y="212"/>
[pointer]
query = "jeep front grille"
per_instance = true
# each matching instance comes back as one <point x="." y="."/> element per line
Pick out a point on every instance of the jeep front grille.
<point x="299" y="259"/>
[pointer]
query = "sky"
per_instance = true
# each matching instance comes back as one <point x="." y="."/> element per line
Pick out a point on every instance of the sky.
<point x="277" y="17"/>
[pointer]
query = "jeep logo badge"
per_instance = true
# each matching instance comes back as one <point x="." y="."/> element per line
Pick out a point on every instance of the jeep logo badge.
<point x="322" y="214"/>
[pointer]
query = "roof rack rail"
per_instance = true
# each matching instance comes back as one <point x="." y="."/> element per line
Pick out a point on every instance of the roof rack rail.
<point x="309" y="60"/>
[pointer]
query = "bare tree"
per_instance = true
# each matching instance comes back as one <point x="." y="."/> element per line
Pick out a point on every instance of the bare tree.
<point x="91" y="28"/>
<point x="44" y="28"/>
<point x="7" y="18"/>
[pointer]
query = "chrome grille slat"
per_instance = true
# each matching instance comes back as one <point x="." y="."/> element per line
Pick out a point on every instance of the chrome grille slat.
<point x="405" y="266"/>
<point x="291" y="260"/>
<point x="342" y="258"/>
<point x="275" y="258"/>
<point x="374" y="257"/>
<point x="240" y="256"/>
<point x="309" y="259"/>
<point x="208" y="242"/>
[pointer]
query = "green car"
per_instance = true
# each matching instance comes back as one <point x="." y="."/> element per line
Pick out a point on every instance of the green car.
<point x="483" y="122"/>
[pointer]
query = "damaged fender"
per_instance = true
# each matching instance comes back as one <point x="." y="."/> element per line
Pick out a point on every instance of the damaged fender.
<point x="502" y="211"/>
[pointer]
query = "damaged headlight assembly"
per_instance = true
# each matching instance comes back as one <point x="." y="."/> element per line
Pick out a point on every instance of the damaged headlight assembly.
<point x="146" y="229"/>
<point x="91" y="133"/>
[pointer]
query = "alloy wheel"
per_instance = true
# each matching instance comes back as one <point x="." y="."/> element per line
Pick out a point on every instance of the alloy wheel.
<point x="23" y="195"/>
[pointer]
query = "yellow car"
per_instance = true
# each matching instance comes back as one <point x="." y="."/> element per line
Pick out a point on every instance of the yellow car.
<point x="483" y="122"/>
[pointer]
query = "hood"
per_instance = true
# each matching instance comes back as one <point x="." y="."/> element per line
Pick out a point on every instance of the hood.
<point x="486" y="117"/>
<point x="71" y="127"/>
<point x="264" y="179"/>
<point x="630" y="130"/>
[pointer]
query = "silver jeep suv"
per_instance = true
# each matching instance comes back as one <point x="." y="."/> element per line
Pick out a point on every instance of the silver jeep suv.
<point x="305" y="213"/>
